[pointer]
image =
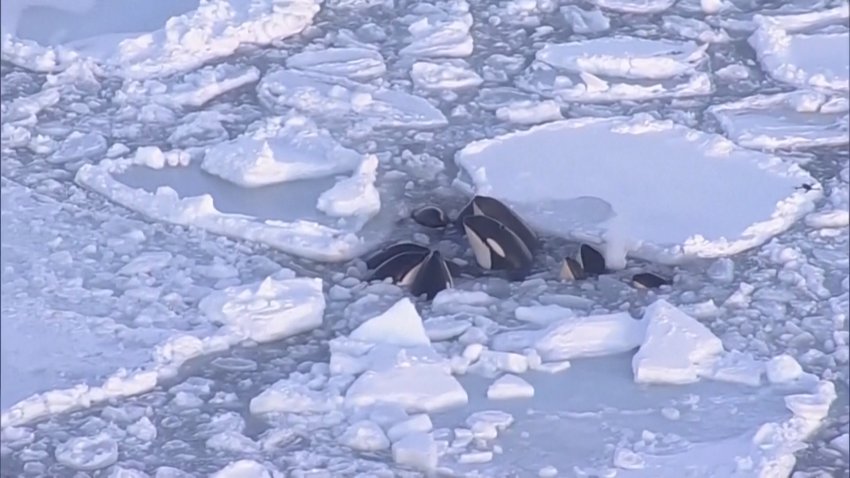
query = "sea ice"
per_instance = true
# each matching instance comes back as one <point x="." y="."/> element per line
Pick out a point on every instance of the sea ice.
<point x="589" y="193"/>
<point x="635" y="6"/>
<point x="365" y="435"/>
<point x="416" y="450"/>
<point x="530" y="112"/>
<point x="446" y="75"/>
<point x="88" y="453"/>
<point x="281" y="90"/>
<point x="795" y="120"/>
<point x="577" y="337"/>
<point x="509" y="386"/>
<point x="801" y="50"/>
<point x="585" y="21"/>
<point x="279" y="149"/>
<point x="355" y="195"/>
<point x="677" y="349"/>
<point x="617" y="68"/>
<point x="289" y="396"/>
<point x="359" y="64"/>
<point x="215" y="29"/>
<point x="440" y="30"/>
<point x="396" y="364"/>
<point x="244" y="469"/>
<point x="270" y="310"/>
<point x="310" y="239"/>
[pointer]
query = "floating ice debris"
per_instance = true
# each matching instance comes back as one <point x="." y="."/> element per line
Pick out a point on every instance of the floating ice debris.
<point x="353" y="63"/>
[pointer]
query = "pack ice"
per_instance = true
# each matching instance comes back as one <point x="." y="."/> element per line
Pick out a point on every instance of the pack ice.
<point x="590" y="172"/>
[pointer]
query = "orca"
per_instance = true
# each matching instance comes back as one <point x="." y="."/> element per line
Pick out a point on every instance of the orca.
<point x="647" y="280"/>
<point x="400" y="267"/>
<point x="430" y="216"/>
<point x="495" y="246"/>
<point x="495" y="209"/>
<point x="431" y="276"/>
<point x="571" y="270"/>
<point x="591" y="260"/>
<point x="381" y="256"/>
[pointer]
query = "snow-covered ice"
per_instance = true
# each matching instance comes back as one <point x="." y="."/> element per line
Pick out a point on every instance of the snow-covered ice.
<point x="213" y="29"/>
<point x="353" y="63"/>
<point x="802" y="49"/>
<point x="795" y="120"/>
<point x="583" y="195"/>
<point x="635" y="6"/>
<point x="327" y="96"/>
<point x="509" y="386"/>
<point x="618" y="68"/>
<point x="279" y="149"/>
<point x="448" y="75"/>
<point x="439" y="30"/>
<point x="320" y="239"/>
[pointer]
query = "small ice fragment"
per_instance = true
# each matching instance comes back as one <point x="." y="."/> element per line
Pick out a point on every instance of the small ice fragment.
<point x="476" y="457"/>
<point x="783" y="369"/>
<point x="416" y="450"/>
<point x="365" y="435"/>
<point x="509" y="386"/>
<point x="417" y="423"/>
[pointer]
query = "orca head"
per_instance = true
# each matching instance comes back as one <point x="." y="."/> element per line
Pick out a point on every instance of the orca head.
<point x="430" y="216"/>
<point x="382" y="255"/>
<point x="494" y="245"/>
<point x="431" y="276"/>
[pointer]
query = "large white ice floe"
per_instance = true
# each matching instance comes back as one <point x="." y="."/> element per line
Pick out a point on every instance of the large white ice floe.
<point x="652" y="189"/>
<point x="308" y="233"/>
<point x="396" y="364"/>
<point x="439" y="30"/>
<point x="335" y="97"/>
<point x="279" y="149"/>
<point x="131" y="48"/>
<point x="352" y="63"/>
<point x="618" y="68"/>
<point x="795" y="120"/>
<point x="807" y="50"/>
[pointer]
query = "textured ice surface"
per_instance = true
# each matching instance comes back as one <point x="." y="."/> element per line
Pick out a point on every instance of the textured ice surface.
<point x="796" y="120"/>
<point x="214" y="29"/>
<point x="353" y="63"/>
<point x="581" y="194"/>
<point x="617" y="68"/>
<point x="803" y="51"/>
<point x="277" y="150"/>
<point x="327" y="96"/>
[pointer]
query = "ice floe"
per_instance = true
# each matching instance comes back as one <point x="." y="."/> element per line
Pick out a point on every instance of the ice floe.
<point x="578" y="196"/>
<point x="585" y="21"/>
<point x="326" y="96"/>
<point x="353" y="63"/>
<point x="618" y="68"/>
<point x="323" y="238"/>
<point x="447" y="75"/>
<point x="806" y="50"/>
<point x="279" y="149"/>
<point x="635" y="6"/>
<point x="214" y="29"/>
<point x="439" y="30"/>
<point x="795" y="120"/>
<point x="276" y="308"/>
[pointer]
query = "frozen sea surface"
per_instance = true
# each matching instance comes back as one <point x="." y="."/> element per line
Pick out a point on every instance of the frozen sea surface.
<point x="187" y="190"/>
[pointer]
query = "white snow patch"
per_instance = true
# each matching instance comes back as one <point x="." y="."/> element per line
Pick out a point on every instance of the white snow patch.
<point x="589" y="194"/>
<point x="279" y="149"/>
<point x="795" y="120"/>
<point x="794" y="48"/>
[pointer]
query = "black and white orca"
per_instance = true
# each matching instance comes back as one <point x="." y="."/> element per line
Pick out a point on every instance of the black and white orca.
<point x="381" y="256"/>
<point x="647" y="280"/>
<point x="496" y="247"/>
<point x="431" y="276"/>
<point x="572" y="270"/>
<point x="592" y="261"/>
<point x="430" y="216"/>
<point x="401" y="267"/>
<point x="495" y="209"/>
